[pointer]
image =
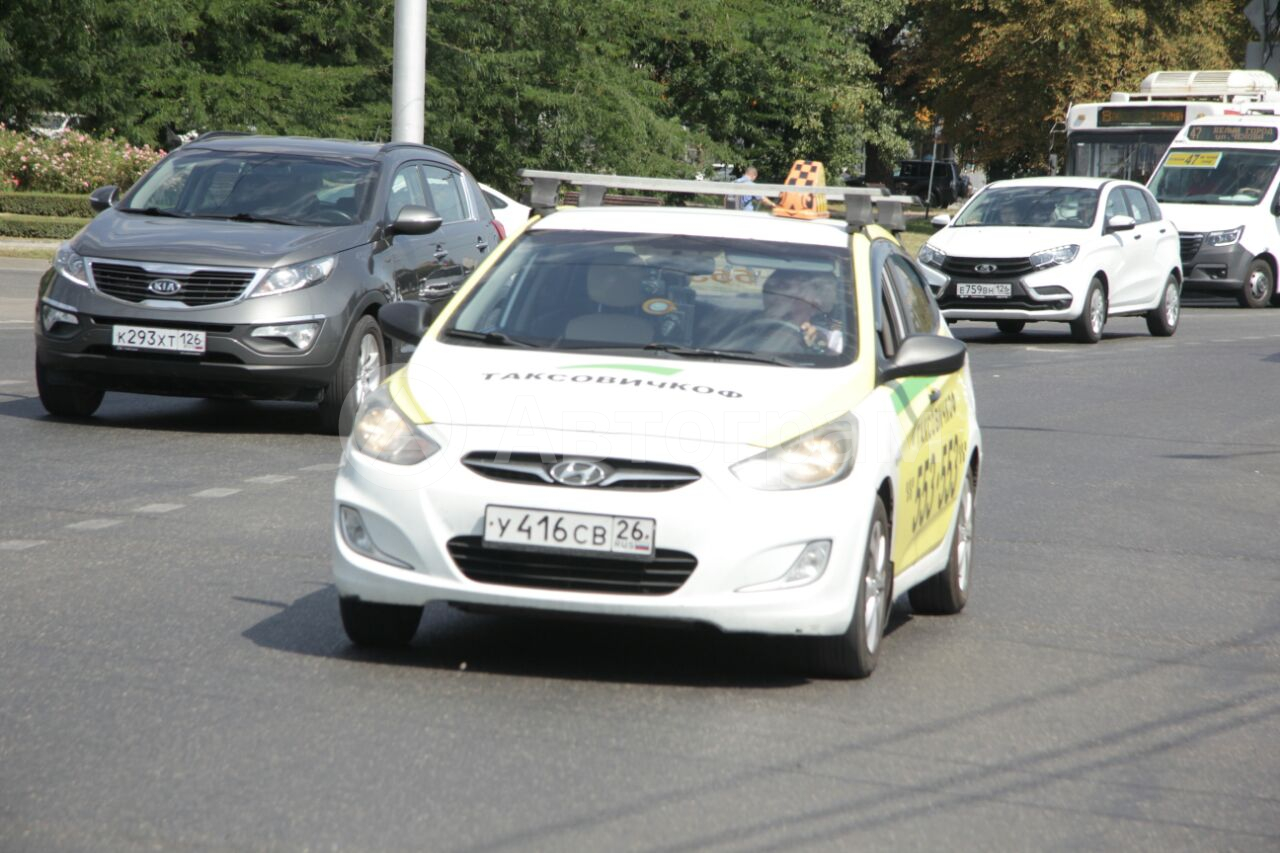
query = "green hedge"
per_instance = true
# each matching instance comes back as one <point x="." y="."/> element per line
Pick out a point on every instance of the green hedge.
<point x="40" y="227"/>
<point x="46" y="204"/>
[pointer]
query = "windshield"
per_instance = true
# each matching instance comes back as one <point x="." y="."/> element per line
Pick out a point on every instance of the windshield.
<point x="1215" y="176"/>
<point x="1031" y="207"/>
<point x="669" y="296"/>
<point x="1128" y="156"/>
<point x="291" y="188"/>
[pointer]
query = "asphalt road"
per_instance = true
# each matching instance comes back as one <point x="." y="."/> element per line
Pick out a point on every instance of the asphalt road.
<point x="173" y="674"/>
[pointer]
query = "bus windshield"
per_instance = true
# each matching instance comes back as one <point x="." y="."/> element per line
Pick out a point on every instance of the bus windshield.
<point x="1130" y="156"/>
<point x="1215" y="176"/>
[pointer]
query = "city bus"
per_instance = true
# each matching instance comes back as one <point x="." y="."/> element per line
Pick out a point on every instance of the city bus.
<point x="1126" y="136"/>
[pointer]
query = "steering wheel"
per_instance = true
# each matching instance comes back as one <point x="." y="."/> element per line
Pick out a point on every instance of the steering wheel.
<point x="761" y="329"/>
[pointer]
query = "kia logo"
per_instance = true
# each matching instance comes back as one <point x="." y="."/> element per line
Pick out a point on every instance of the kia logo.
<point x="985" y="269"/>
<point x="165" y="286"/>
<point x="578" y="472"/>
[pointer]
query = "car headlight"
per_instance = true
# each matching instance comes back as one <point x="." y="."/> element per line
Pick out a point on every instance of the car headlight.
<point x="931" y="257"/>
<point x="1054" y="257"/>
<point x="285" y="279"/>
<point x="1224" y="238"/>
<point x="71" y="266"/>
<point x="383" y="432"/>
<point x="824" y="455"/>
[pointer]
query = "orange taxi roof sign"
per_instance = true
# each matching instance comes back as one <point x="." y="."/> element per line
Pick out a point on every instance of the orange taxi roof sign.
<point x="798" y="205"/>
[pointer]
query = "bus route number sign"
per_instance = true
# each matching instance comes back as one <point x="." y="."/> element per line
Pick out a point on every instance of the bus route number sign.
<point x="1231" y="133"/>
<point x="1142" y="116"/>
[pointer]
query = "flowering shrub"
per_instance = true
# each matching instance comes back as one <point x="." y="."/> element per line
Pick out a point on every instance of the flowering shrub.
<point x="71" y="163"/>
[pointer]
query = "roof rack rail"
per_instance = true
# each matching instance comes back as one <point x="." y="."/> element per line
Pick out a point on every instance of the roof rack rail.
<point x="391" y="146"/>
<point x="215" y="134"/>
<point x="863" y="205"/>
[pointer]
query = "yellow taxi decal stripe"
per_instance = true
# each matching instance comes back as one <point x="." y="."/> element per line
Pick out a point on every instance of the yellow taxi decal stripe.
<point x="402" y="395"/>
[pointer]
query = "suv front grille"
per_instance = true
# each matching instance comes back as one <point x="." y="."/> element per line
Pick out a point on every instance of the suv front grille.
<point x="664" y="574"/>
<point x="1189" y="242"/>
<point x="621" y="474"/>
<point x="199" y="287"/>
<point x="1001" y="268"/>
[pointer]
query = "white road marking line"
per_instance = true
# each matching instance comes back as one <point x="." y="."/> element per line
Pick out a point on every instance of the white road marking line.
<point x="13" y="381"/>
<point x="1223" y="341"/>
<point x="215" y="493"/>
<point x="269" y="479"/>
<point x="20" y="544"/>
<point x="95" y="524"/>
<point x="323" y="466"/>
<point x="158" y="508"/>
<point x="1049" y="349"/>
<point x="1254" y="338"/>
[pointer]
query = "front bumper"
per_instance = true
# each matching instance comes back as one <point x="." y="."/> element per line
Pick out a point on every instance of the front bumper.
<point x="1046" y="295"/>
<point x="1213" y="269"/>
<point x="739" y="537"/>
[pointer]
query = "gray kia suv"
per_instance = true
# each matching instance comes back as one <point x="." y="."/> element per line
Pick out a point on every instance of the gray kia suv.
<point x="254" y="267"/>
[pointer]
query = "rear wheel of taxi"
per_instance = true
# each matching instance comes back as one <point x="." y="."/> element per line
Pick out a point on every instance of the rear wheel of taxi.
<point x="1087" y="328"/>
<point x="1011" y="327"/>
<point x="946" y="592"/>
<point x="381" y="626"/>
<point x="1259" y="285"/>
<point x="1162" y="321"/>
<point x="853" y="654"/>
<point x="66" y="401"/>
<point x="359" y="372"/>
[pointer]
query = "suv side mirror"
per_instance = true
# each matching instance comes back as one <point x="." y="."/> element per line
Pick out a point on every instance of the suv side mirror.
<point x="1120" y="222"/>
<point x="415" y="219"/>
<point x="925" y="355"/>
<point x="407" y="321"/>
<point x="103" y="197"/>
<point x="942" y="220"/>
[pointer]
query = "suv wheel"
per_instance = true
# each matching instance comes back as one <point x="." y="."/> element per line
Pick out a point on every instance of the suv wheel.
<point x="359" y="371"/>
<point x="67" y="401"/>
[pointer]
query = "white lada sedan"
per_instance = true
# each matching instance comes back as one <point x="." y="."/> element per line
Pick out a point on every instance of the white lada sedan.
<point x="697" y="415"/>
<point x="1071" y="250"/>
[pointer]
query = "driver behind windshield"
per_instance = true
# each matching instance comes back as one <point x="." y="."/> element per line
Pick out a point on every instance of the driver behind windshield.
<point x="805" y="300"/>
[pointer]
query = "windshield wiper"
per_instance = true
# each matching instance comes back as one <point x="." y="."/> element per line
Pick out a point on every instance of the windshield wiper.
<point x="726" y="354"/>
<point x="495" y="338"/>
<point x="249" y="217"/>
<point x="153" y="211"/>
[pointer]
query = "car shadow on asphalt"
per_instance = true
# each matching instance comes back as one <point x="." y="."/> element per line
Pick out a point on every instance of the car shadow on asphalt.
<point x="1051" y="333"/>
<point x="556" y="647"/>
<point x="178" y="414"/>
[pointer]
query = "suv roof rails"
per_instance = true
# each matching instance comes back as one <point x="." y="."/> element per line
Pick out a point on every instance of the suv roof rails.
<point x="863" y="205"/>
<point x="391" y="146"/>
<point x="214" y="134"/>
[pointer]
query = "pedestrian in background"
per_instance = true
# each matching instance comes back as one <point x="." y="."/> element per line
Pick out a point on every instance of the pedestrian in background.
<point x="748" y="202"/>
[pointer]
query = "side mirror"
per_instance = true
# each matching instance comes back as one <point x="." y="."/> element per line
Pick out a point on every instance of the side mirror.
<point x="103" y="197"/>
<point x="942" y="220"/>
<point x="1119" y="222"/>
<point x="407" y="321"/>
<point x="925" y="355"/>
<point x="415" y="219"/>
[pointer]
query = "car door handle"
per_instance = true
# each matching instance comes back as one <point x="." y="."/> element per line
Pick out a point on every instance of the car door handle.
<point x="1137" y="236"/>
<point x="441" y="253"/>
<point x="1162" y="230"/>
<point x="481" y="244"/>
<point x="935" y="394"/>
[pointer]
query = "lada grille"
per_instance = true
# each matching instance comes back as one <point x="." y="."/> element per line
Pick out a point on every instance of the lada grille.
<point x="664" y="574"/>
<point x="1003" y="269"/>
<point x="201" y="287"/>
<point x="1189" y="243"/>
<point x="622" y="474"/>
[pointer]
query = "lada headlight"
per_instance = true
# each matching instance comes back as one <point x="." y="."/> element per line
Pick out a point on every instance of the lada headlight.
<point x="932" y="257"/>
<point x="824" y="455"/>
<point x="296" y="277"/>
<point x="1054" y="257"/>
<point x="1224" y="238"/>
<point x="383" y="432"/>
<point x="71" y="266"/>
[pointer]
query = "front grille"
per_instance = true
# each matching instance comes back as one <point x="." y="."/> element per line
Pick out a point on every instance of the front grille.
<point x="622" y="474"/>
<point x="200" y="287"/>
<point x="1004" y="268"/>
<point x="1189" y="242"/>
<point x="188" y="325"/>
<point x="664" y="574"/>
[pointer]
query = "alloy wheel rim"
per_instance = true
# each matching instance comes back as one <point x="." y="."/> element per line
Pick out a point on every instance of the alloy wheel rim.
<point x="1171" y="305"/>
<point x="1258" y="284"/>
<point x="874" y="587"/>
<point x="964" y="535"/>
<point x="1096" y="310"/>
<point x="370" y="367"/>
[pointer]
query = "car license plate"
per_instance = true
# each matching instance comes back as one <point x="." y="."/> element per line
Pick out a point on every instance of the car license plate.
<point x="568" y="531"/>
<point x="980" y="291"/>
<point x="167" y="340"/>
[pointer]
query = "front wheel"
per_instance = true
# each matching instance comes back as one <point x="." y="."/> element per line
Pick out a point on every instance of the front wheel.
<point x="358" y="372"/>
<point x="1162" y="321"/>
<point x="383" y="626"/>
<point x="945" y="593"/>
<point x="1259" y="285"/>
<point x="1087" y="328"/>
<point x="66" y="401"/>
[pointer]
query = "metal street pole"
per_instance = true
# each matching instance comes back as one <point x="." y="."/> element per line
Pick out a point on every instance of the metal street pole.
<point x="409" y="71"/>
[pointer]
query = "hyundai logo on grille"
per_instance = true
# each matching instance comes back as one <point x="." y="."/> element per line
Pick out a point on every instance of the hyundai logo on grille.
<point x="165" y="286"/>
<point x="985" y="269"/>
<point x="578" y="472"/>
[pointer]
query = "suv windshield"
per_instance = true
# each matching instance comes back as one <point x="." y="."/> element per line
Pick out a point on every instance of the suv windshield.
<point x="671" y="296"/>
<point x="295" y="189"/>
<point x="1215" y="176"/>
<point x="1031" y="207"/>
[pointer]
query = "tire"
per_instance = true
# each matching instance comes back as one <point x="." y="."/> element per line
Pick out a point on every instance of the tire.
<point x="66" y="401"/>
<point x="1087" y="328"/>
<point x="1259" y="285"/>
<point x="945" y="593"/>
<point x="1162" y="321"/>
<point x="853" y="654"/>
<point x="1011" y="327"/>
<point x="380" y="626"/>
<point x="358" y="372"/>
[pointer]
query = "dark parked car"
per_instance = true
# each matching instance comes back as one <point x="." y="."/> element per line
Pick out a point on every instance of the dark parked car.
<point x="948" y="183"/>
<point x="254" y="267"/>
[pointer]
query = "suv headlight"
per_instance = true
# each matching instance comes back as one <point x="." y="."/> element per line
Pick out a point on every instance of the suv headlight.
<point x="1054" y="257"/>
<point x="824" y="455"/>
<point x="285" y="279"/>
<point x="383" y="432"/>
<point x="1224" y="238"/>
<point x="931" y="257"/>
<point x="70" y="265"/>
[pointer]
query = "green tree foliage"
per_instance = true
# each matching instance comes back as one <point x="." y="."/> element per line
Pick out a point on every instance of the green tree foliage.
<point x="1001" y="73"/>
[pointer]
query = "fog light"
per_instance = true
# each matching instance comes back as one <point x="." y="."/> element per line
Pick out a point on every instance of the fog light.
<point x="357" y="536"/>
<point x="806" y="569"/>
<point x="50" y="317"/>
<point x="300" y="335"/>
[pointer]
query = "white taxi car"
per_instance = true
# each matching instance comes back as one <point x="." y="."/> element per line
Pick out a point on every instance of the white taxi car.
<point x="729" y="418"/>
<point x="1073" y="250"/>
